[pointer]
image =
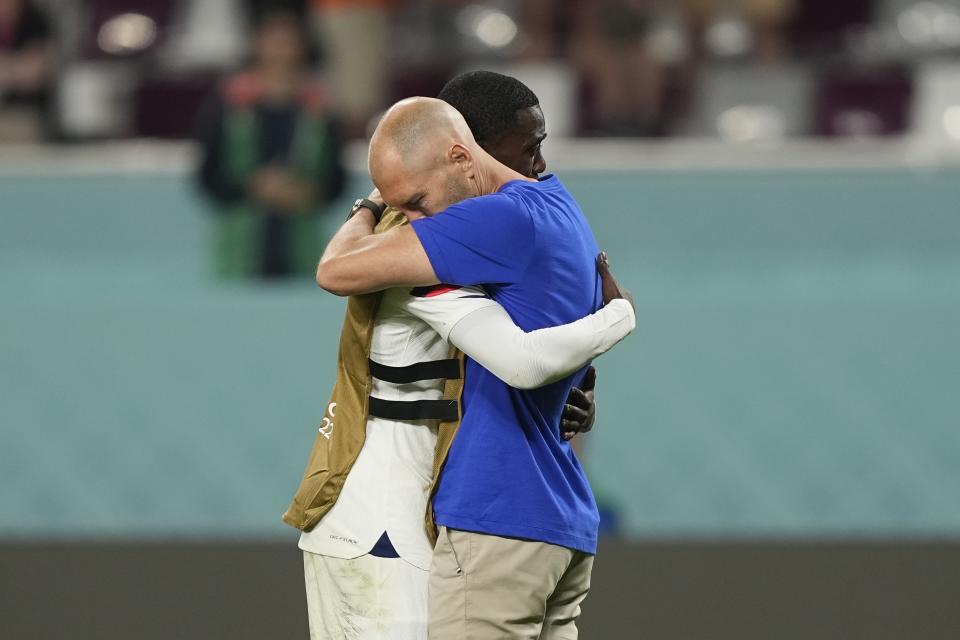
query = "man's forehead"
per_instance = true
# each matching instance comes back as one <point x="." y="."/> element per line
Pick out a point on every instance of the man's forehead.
<point x="396" y="192"/>
<point x="530" y="120"/>
<point x="401" y="179"/>
<point x="528" y="126"/>
<point x="390" y="170"/>
<point x="402" y="189"/>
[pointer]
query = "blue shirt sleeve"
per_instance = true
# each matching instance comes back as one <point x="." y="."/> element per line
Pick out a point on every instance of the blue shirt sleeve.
<point x="484" y="240"/>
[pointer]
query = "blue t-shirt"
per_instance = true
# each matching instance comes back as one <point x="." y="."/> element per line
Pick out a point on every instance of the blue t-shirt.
<point x="509" y="473"/>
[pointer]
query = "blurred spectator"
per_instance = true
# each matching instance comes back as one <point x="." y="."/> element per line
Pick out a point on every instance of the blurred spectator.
<point x="825" y="26"/>
<point x="271" y="157"/>
<point x="257" y="9"/>
<point x="355" y="38"/>
<point x="738" y="28"/>
<point x="26" y="65"/>
<point x="544" y="28"/>
<point x="624" y="80"/>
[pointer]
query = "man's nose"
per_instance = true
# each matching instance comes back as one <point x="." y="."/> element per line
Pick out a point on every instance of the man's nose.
<point x="539" y="166"/>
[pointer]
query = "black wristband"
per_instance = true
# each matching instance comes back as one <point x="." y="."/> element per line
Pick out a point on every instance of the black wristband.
<point x="364" y="203"/>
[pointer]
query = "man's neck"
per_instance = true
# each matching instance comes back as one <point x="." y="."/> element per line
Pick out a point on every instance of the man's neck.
<point x="492" y="175"/>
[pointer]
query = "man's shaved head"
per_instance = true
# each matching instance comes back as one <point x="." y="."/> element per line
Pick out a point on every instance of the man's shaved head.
<point x="422" y="156"/>
<point x="418" y="129"/>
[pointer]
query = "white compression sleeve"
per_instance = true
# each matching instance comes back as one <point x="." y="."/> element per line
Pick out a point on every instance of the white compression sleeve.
<point x="531" y="360"/>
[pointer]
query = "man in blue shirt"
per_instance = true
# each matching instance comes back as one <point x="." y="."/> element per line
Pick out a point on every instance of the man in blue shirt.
<point x="519" y="522"/>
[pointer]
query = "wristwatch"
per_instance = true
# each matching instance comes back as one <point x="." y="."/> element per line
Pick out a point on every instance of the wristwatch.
<point x="364" y="203"/>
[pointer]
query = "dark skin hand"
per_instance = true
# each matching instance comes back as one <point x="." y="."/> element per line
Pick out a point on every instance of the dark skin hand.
<point x="611" y="289"/>
<point x="580" y="412"/>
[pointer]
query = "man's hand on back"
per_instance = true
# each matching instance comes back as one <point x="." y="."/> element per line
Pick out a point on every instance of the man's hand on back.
<point x="581" y="409"/>
<point x="611" y="290"/>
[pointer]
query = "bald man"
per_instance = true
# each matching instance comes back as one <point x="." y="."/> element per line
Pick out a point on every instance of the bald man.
<point x="518" y="519"/>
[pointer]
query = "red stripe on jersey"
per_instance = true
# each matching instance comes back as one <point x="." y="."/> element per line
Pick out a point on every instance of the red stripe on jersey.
<point x="435" y="290"/>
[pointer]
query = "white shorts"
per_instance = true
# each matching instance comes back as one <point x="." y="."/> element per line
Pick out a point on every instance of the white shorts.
<point x="367" y="598"/>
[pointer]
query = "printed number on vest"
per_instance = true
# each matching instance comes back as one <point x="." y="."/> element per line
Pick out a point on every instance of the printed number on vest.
<point x="326" y="426"/>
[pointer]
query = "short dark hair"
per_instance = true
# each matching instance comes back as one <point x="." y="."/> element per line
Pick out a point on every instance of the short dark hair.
<point x="489" y="101"/>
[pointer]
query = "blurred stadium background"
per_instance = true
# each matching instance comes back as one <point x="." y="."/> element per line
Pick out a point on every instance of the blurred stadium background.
<point x="778" y="183"/>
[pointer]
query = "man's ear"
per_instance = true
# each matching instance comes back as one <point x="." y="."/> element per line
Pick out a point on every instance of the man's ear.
<point x="461" y="156"/>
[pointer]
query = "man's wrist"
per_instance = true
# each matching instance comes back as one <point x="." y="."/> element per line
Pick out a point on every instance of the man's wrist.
<point x="365" y="215"/>
<point x="374" y="209"/>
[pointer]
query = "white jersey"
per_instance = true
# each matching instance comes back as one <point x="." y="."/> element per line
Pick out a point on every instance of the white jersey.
<point x="386" y="490"/>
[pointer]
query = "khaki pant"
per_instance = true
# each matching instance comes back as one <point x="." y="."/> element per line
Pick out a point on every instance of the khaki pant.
<point x="484" y="587"/>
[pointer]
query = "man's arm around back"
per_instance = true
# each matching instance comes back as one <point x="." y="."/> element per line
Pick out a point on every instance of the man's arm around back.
<point x="357" y="261"/>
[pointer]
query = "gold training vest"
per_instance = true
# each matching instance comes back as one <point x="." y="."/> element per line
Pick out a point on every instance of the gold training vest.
<point x="344" y="426"/>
